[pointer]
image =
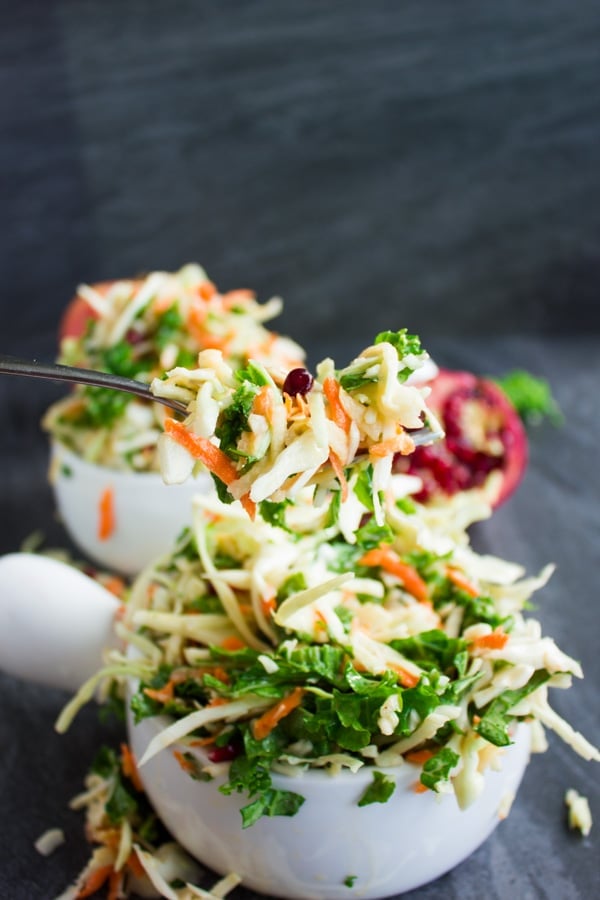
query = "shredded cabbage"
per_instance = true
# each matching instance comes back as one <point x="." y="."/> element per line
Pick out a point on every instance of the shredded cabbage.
<point x="141" y="328"/>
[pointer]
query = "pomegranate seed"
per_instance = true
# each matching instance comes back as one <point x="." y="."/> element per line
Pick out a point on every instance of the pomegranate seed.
<point x="224" y="754"/>
<point x="298" y="381"/>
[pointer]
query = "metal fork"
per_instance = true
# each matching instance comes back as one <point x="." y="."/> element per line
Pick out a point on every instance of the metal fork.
<point x="11" y="365"/>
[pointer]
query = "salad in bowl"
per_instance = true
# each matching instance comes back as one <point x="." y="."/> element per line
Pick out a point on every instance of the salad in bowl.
<point x="105" y="467"/>
<point x="317" y="639"/>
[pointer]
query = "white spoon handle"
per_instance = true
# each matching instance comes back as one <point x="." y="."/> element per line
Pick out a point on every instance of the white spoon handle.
<point x="54" y="621"/>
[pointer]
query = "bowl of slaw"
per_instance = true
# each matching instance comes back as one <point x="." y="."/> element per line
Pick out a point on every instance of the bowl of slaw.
<point x="105" y="469"/>
<point x="327" y="718"/>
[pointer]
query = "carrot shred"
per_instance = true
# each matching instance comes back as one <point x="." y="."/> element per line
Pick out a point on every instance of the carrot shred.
<point x="338" y="414"/>
<point x="390" y="561"/>
<point x="407" y="679"/>
<point x="233" y="643"/>
<point x="186" y="764"/>
<point x="262" y="404"/>
<point x="238" y="295"/>
<point x="161" y="695"/>
<point x="419" y="787"/>
<point x="419" y="756"/>
<point x="265" y="724"/>
<point x="134" y="865"/>
<point x="402" y="443"/>
<point x="106" y="514"/>
<point x="461" y="581"/>
<point x="206" y="290"/>
<point x="337" y="467"/>
<point x="94" y="881"/>
<point x="212" y="457"/>
<point x="268" y="604"/>
<point x="115" y="585"/>
<point x="115" y="883"/>
<point x="494" y="641"/>
<point x="129" y="767"/>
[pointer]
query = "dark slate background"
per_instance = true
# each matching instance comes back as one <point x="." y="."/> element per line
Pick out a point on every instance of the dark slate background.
<point x="427" y="164"/>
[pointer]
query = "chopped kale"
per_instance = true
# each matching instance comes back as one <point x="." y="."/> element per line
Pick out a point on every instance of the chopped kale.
<point x="379" y="791"/>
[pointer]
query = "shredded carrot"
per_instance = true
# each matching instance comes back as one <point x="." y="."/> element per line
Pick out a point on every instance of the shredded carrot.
<point x="161" y="695"/>
<point x="407" y="679"/>
<point x="206" y="290"/>
<point x="186" y="764"/>
<point x="106" y="514"/>
<point x="402" y="443"/>
<point x="385" y="557"/>
<point x="115" y="585"/>
<point x="94" y="881"/>
<point x="115" y="883"/>
<point x="212" y="457"/>
<point x="203" y="742"/>
<point x="239" y="295"/>
<point x="217" y="701"/>
<point x="265" y="724"/>
<point x="419" y="787"/>
<point x="121" y="612"/>
<point x="268" y="604"/>
<point x="134" y="865"/>
<point x="262" y="404"/>
<point x="418" y="756"/>
<point x="337" y="467"/>
<point x="233" y="643"/>
<point x="338" y="414"/>
<point x="461" y="581"/>
<point x="494" y="641"/>
<point x="220" y="673"/>
<point x="476" y="719"/>
<point x="129" y="767"/>
<point x="163" y="303"/>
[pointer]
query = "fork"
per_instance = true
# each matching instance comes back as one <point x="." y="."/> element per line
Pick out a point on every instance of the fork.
<point x="11" y="365"/>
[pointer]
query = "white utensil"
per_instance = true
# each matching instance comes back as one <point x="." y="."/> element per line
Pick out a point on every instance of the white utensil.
<point x="54" y="621"/>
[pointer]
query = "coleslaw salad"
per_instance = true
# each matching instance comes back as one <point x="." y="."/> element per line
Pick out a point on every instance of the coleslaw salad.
<point x="279" y="651"/>
<point x="141" y="327"/>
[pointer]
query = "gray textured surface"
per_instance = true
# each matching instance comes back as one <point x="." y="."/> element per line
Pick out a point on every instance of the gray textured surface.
<point x="431" y="165"/>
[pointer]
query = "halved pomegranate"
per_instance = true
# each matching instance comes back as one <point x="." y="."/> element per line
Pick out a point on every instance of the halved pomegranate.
<point x="484" y="435"/>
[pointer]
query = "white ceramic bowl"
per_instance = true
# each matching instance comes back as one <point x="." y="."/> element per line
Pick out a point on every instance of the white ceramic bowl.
<point x="389" y="847"/>
<point x="148" y="514"/>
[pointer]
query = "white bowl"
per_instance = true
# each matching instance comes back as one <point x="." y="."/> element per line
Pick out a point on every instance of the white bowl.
<point x="389" y="847"/>
<point x="148" y="514"/>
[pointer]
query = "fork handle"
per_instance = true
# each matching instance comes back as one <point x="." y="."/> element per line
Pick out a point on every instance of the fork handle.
<point x="12" y="365"/>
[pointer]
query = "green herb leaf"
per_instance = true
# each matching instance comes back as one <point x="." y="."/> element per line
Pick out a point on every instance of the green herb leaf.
<point x="379" y="791"/>
<point x="431" y="649"/>
<point x="233" y="421"/>
<point x="274" y="513"/>
<point x="364" y="487"/>
<point x="531" y="397"/>
<point x="496" y="718"/>
<point x="405" y="345"/>
<point x="438" y="768"/>
<point x="254" y="374"/>
<point x="122" y="802"/>
<point x="271" y="803"/>
<point x="170" y="325"/>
